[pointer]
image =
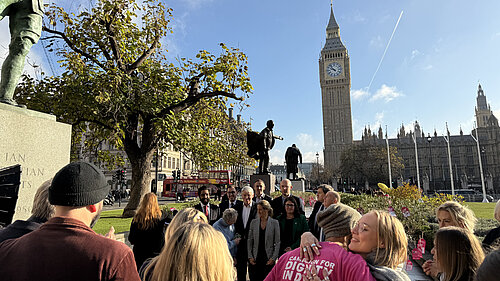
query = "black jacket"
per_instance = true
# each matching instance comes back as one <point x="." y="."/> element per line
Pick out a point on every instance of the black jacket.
<point x="214" y="212"/>
<point x="313" y="224"/>
<point x="225" y="205"/>
<point x="279" y="207"/>
<point x="266" y="197"/>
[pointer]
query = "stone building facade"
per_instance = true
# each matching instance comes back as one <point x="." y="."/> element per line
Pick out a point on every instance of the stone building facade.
<point x="433" y="153"/>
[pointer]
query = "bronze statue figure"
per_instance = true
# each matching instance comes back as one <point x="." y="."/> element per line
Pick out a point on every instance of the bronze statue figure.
<point x="292" y="157"/>
<point x="260" y="144"/>
<point x="25" y="24"/>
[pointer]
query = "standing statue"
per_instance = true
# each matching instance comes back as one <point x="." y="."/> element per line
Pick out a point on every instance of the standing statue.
<point x="260" y="144"/>
<point x="292" y="157"/>
<point x="25" y="24"/>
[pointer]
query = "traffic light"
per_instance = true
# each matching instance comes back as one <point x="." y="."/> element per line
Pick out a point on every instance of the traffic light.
<point x="174" y="174"/>
<point x="178" y="174"/>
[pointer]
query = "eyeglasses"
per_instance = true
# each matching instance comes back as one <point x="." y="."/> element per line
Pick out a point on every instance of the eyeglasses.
<point x="360" y="227"/>
<point x="231" y="192"/>
<point x="289" y="205"/>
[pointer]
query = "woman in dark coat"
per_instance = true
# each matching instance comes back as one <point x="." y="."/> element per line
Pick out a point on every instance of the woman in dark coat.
<point x="292" y="225"/>
<point x="147" y="231"/>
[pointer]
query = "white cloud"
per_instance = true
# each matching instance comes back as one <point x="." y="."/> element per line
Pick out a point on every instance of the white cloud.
<point x="377" y="42"/>
<point x="306" y="142"/>
<point x="496" y="35"/>
<point x="359" y="94"/>
<point x="358" y="17"/>
<point x="415" y="53"/>
<point x="386" y="93"/>
<point x="196" y="3"/>
<point x="428" y="67"/>
<point x="496" y="113"/>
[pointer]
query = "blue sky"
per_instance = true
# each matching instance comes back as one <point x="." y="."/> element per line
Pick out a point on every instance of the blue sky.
<point x="439" y="52"/>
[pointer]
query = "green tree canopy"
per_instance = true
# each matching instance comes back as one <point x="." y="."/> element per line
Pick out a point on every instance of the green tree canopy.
<point x="118" y="86"/>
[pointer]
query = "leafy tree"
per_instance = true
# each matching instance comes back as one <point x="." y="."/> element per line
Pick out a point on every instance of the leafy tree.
<point x="366" y="162"/>
<point x="118" y="86"/>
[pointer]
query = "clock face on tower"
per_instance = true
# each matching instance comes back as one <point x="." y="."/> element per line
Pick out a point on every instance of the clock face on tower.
<point x="334" y="69"/>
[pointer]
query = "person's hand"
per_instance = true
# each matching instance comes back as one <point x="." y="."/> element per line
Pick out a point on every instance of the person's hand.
<point x="287" y="249"/>
<point x="312" y="275"/>
<point x="308" y="245"/>
<point x="252" y="261"/>
<point x="237" y="241"/>
<point x="270" y="262"/>
<point x="429" y="267"/>
<point x="111" y="233"/>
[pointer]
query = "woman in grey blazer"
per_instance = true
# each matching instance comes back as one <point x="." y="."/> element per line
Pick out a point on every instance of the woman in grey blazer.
<point x="263" y="242"/>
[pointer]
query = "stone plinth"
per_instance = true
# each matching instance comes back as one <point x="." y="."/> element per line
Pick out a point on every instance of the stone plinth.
<point x="298" y="185"/>
<point x="38" y="143"/>
<point x="269" y="181"/>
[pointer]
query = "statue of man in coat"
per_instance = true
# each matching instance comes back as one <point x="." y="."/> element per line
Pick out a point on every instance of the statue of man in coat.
<point x="292" y="157"/>
<point x="25" y="24"/>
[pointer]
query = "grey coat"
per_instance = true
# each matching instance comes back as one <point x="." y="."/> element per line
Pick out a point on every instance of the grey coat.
<point x="272" y="238"/>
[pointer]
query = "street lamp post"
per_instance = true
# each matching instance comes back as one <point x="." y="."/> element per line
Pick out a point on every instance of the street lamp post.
<point x="416" y="159"/>
<point x="480" y="164"/>
<point x="429" y="140"/>
<point x="388" y="157"/>
<point x="447" y="139"/>
<point x="317" y="164"/>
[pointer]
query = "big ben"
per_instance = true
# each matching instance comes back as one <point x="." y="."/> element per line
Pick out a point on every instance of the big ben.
<point x="335" y="80"/>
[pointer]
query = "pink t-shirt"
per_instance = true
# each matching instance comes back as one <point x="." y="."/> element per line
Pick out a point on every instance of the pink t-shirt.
<point x="340" y="264"/>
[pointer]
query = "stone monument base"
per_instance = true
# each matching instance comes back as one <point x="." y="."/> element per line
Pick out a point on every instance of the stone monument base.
<point x="38" y="143"/>
<point x="299" y="185"/>
<point x="269" y="181"/>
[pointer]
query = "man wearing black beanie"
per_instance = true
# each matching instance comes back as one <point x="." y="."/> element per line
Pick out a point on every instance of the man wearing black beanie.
<point x="65" y="247"/>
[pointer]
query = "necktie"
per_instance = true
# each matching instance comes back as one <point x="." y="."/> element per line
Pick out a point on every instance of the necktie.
<point x="231" y="205"/>
<point x="206" y="211"/>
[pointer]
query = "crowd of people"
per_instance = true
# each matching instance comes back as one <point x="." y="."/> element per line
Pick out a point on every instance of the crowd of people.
<point x="257" y="236"/>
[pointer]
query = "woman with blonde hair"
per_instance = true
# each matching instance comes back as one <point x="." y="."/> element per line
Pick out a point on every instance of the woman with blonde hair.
<point x="184" y="216"/>
<point x="147" y="229"/>
<point x="451" y="213"/>
<point x="379" y="238"/>
<point x="457" y="254"/>
<point x="196" y="252"/>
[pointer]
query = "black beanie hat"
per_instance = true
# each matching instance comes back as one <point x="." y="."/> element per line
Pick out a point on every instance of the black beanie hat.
<point x="78" y="184"/>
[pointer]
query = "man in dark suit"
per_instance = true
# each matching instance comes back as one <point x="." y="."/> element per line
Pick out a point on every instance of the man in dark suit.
<point x="246" y="213"/>
<point x="210" y="210"/>
<point x="259" y="187"/>
<point x="278" y="202"/>
<point x="318" y="206"/>
<point x="232" y="202"/>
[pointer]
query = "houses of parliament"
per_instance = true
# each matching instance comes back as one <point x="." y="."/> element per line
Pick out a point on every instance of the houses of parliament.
<point x="335" y="81"/>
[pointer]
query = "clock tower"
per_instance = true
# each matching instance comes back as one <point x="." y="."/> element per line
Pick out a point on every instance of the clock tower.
<point x="335" y="81"/>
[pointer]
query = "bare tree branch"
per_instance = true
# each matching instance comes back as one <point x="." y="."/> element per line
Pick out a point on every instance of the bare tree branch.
<point x="73" y="47"/>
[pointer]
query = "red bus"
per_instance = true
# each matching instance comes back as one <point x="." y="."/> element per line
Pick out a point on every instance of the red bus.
<point x="188" y="186"/>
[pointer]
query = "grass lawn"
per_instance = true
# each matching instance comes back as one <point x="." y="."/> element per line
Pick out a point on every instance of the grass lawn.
<point x="113" y="218"/>
<point x="482" y="210"/>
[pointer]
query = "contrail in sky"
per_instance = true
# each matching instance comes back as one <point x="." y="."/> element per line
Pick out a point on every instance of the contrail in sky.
<point x="385" y="51"/>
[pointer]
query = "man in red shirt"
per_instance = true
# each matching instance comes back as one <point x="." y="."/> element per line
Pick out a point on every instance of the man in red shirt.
<point x="65" y="247"/>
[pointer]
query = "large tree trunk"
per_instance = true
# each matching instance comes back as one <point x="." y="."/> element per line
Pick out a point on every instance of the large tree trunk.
<point x="141" y="181"/>
<point x="140" y="159"/>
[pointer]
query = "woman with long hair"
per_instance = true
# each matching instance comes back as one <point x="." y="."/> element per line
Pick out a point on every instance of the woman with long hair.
<point x="263" y="242"/>
<point x="379" y="238"/>
<point x="457" y="254"/>
<point x="451" y="213"/>
<point x="184" y="216"/>
<point x="195" y="251"/>
<point x="292" y="225"/>
<point x="147" y="229"/>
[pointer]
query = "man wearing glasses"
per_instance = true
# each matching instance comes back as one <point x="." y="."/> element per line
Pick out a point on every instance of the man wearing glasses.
<point x="232" y="202"/>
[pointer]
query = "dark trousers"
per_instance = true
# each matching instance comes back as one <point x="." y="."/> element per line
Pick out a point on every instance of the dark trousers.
<point x="242" y="260"/>
<point x="259" y="271"/>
